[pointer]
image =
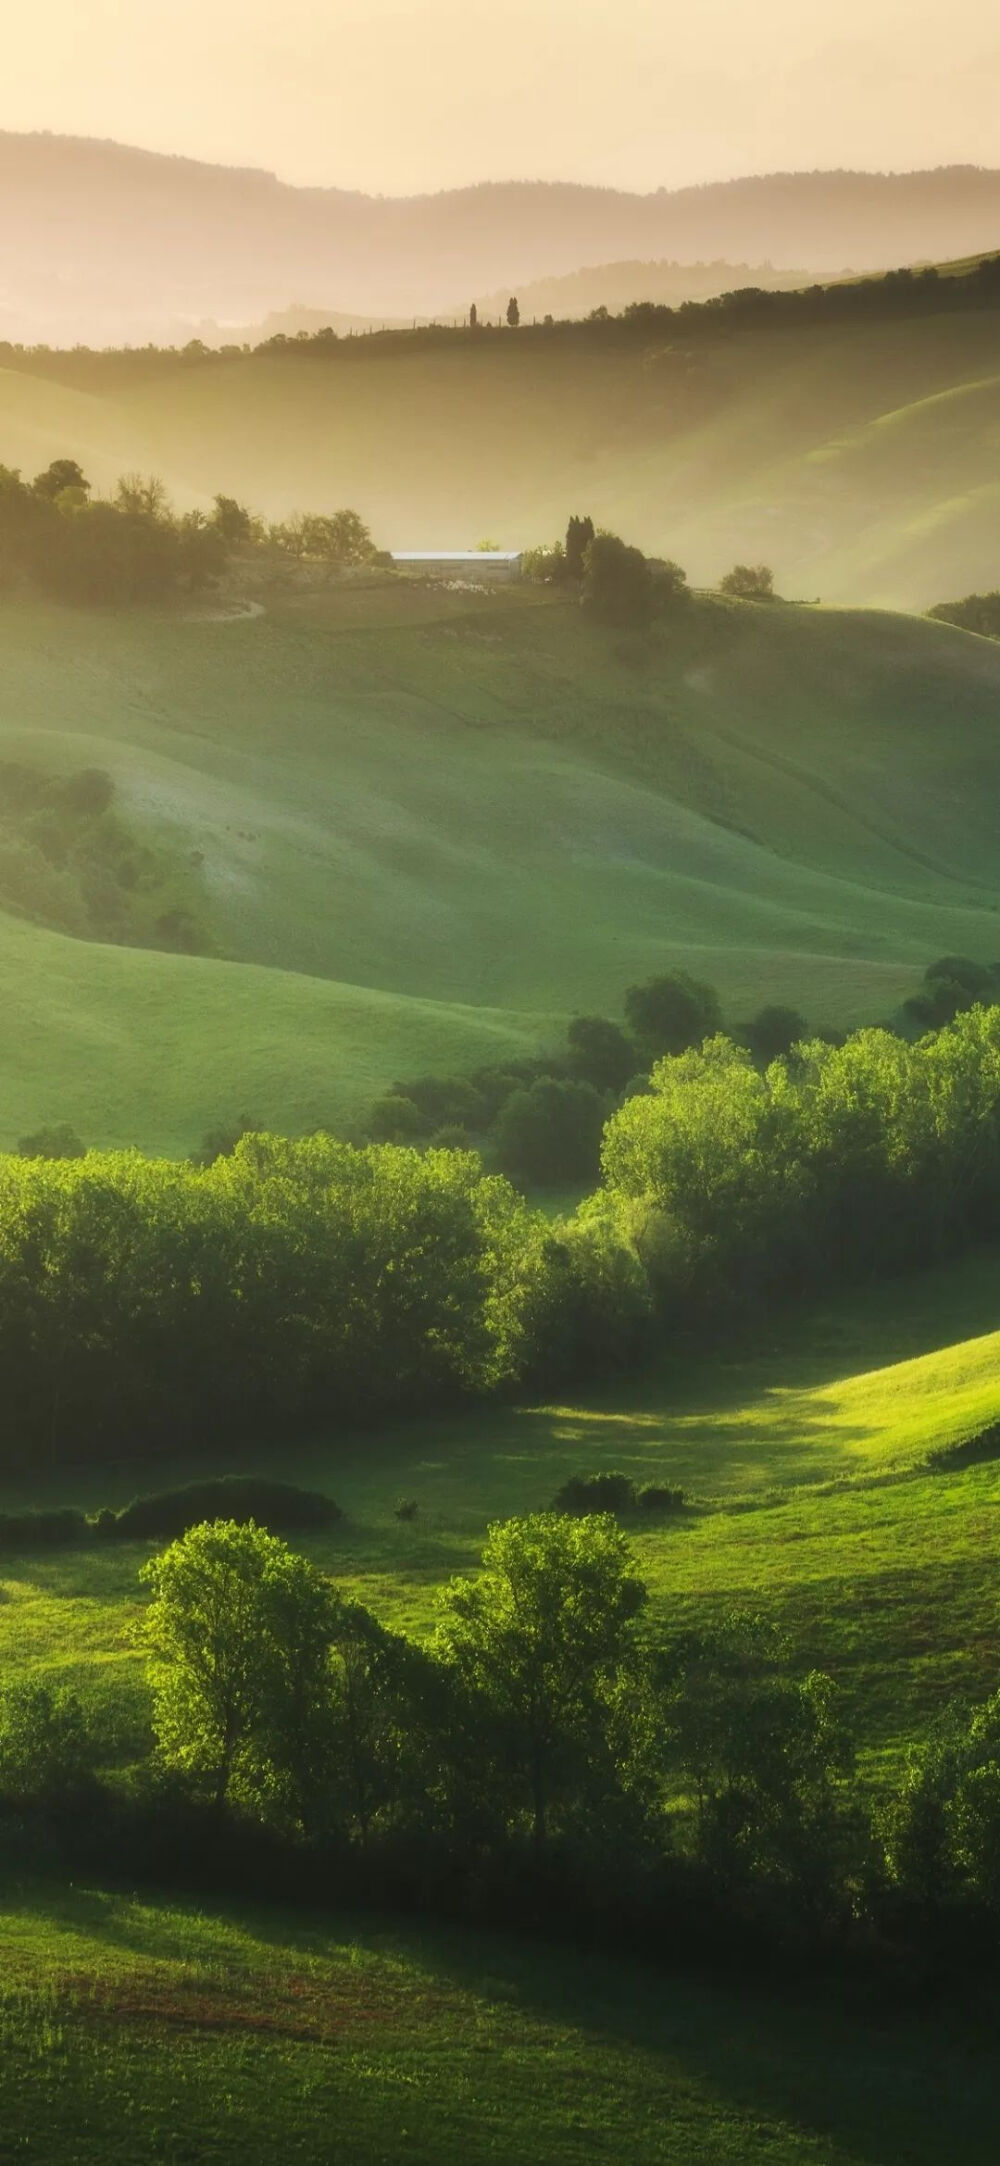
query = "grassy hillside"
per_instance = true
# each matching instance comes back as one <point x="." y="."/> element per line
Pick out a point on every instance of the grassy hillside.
<point x="214" y="2029"/>
<point x="805" y="1462"/>
<point x="856" y="456"/>
<point x="135" y="2030"/>
<point x="435" y="824"/>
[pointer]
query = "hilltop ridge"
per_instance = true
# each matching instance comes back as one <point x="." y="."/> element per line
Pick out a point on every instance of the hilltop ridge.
<point x="100" y="241"/>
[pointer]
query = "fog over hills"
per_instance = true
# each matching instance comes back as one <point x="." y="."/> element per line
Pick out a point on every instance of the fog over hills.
<point x="102" y="242"/>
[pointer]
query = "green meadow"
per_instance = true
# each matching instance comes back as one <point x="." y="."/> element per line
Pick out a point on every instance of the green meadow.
<point x="136" y="2027"/>
<point x="428" y="826"/>
<point x="423" y="827"/>
<point x="133" y="2030"/>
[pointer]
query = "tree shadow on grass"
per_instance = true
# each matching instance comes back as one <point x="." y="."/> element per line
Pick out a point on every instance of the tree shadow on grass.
<point x="865" y="2085"/>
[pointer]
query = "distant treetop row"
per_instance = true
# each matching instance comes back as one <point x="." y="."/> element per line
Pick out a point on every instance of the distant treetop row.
<point x="898" y="293"/>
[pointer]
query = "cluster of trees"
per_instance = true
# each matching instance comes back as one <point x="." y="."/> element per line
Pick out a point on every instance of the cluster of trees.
<point x="68" y="860"/>
<point x="78" y="548"/>
<point x="977" y="613"/>
<point x="550" y="1733"/>
<point x="541" y="1120"/>
<point x="839" y="1160"/>
<point x="291" y="1282"/>
<point x="283" y="1284"/>
<point x="900" y="293"/>
<point x="616" y="583"/>
<point x="132" y="547"/>
<point x="619" y="586"/>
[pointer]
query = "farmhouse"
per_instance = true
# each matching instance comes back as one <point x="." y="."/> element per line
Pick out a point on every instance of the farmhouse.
<point x="459" y="563"/>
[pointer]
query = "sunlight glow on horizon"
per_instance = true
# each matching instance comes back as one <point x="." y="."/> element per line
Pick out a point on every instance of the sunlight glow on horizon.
<point x="400" y="96"/>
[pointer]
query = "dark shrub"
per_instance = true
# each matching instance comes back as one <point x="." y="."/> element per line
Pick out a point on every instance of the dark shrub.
<point x="585" y="1493"/>
<point x="600" y="1053"/>
<point x="672" y="1014"/>
<point x="657" y="1497"/>
<point x="42" y="1530"/>
<point x="618" y="586"/>
<point x="407" y="1509"/>
<point x="394" y="1119"/>
<point x="551" y="1133"/>
<point x="60" y="1141"/>
<point x="279" y="1506"/>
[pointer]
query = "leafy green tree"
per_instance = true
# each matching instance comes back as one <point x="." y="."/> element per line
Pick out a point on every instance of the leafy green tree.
<point x="716" y="1148"/>
<point x="545" y="1638"/>
<point x="672" y="1014"/>
<point x="550" y="1132"/>
<point x="237" y="1638"/>
<point x="765" y="1756"/>
<point x="618" y="585"/>
<point x="942" y="1833"/>
<point x="48" y="1753"/>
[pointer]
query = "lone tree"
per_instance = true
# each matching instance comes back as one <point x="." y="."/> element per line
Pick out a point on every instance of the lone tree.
<point x="749" y="583"/>
<point x="545" y="1636"/>
<point x="579" y="535"/>
<point x="513" y="312"/>
<point x="473" y="317"/>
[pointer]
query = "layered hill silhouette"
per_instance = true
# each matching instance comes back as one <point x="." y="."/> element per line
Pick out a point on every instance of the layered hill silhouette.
<point x="850" y="440"/>
<point x="100" y="241"/>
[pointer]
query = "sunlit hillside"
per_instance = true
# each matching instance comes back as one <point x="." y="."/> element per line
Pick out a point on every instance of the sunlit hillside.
<point x="429" y="826"/>
<point x="861" y="459"/>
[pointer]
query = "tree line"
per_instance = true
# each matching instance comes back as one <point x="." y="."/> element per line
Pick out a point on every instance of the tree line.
<point x="131" y="547"/>
<point x="540" y="1119"/>
<point x="289" y="1283"/>
<point x="553" y="1749"/>
<point x="901" y="293"/>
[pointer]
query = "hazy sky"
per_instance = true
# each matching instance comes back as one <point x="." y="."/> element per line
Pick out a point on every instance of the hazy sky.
<point x="400" y="95"/>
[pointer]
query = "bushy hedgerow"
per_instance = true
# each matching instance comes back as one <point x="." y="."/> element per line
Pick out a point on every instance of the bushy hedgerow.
<point x="280" y="1506"/>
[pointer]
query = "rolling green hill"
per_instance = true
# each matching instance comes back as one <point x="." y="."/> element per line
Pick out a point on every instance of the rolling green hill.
<point x="861" y="458"/>
<point x="429" y="825"/>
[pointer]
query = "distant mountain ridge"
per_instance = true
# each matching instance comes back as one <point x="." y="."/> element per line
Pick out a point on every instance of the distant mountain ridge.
<point x="103" y="242"/>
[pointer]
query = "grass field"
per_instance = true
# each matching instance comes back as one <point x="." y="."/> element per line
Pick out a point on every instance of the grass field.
<point x="430" y="826"/>
<point x="137" y="2031"/>
<point x="134" y="2028"/>
<point x="804" y="1462"/>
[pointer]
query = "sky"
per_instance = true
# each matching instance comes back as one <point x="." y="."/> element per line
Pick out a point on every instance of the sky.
<point x="400" y="96"/>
